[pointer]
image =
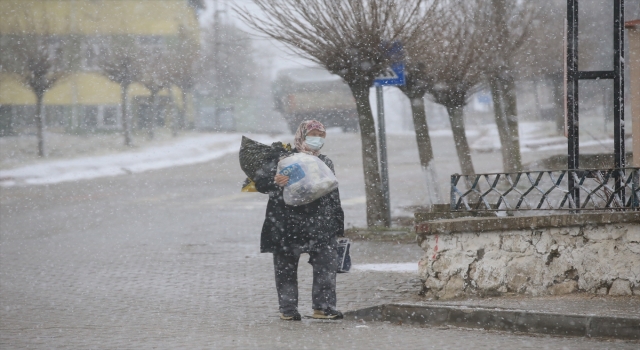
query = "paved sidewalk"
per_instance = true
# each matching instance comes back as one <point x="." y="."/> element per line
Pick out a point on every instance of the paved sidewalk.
<point x="170" y="259"/>
<point x="524" y="319"/>
<point x="575" y="304"/>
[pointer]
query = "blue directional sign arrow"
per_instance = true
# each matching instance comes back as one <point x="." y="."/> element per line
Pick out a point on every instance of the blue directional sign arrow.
<point x="392" y="76"/>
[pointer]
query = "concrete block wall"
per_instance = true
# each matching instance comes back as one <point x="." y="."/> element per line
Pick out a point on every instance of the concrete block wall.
<point x="553" y="254"/>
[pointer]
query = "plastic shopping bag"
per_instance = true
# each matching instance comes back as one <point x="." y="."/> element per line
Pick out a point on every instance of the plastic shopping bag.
<point x="309" y="178"/>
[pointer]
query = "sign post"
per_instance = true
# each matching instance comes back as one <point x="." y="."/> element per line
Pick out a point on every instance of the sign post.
<point x="392" y="76"/>
<point x="382" y="146"/>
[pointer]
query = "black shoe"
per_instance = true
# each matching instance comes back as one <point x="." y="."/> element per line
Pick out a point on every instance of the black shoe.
<point x="292" y="316"/>
<point x="327" y="314"/>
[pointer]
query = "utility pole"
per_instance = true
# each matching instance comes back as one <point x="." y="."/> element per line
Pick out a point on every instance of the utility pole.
<point x="216" y="74"/>
<point x="384" y="166"/>
<point x="392" y="76"/>
<point x="74" y="85"/>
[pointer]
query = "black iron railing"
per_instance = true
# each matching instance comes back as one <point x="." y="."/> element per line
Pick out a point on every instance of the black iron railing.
<point x="600" y="189"/>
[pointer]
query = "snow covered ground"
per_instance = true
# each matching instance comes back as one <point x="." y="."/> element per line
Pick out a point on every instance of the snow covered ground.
<point x="197" y="149"/>
<point x="390" y="267"/>
<point x="537" y="136"/>
<point x="533" y="135"/>
<point x="205" y="147"/>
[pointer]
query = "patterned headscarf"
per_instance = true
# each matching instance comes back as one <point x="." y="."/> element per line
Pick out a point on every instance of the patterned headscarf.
<point x="301" y="134"/>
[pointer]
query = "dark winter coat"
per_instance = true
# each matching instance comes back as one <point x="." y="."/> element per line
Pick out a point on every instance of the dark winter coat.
<point x="301" y="228"/>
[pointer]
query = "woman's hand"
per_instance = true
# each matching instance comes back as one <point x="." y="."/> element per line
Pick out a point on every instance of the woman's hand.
<point x="281" y="180"/>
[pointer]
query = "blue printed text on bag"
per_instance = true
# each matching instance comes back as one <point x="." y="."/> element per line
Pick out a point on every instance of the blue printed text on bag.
<point x="294" y="172"/>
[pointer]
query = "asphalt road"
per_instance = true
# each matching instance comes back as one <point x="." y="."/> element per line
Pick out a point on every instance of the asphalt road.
<point x="170" y="259"/>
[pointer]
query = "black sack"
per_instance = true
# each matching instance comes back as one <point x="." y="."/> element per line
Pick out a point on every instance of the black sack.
<point x="253" y="155"/>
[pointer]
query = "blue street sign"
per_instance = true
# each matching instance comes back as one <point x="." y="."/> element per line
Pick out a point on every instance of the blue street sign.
<point x="392" y="76"/>
<point x="484" y="98"/>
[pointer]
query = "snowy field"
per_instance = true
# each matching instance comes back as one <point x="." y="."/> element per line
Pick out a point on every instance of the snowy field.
<point x="193" y="150"/>
<point x="537" y="136"/>
<point x="94" y="156"/>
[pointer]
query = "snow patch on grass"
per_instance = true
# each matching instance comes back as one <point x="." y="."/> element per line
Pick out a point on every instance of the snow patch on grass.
<point x="392" y="267"/>
<point x="185" y="152"/>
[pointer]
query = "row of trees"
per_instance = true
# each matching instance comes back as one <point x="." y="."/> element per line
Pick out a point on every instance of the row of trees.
<point x="218" y="63"/>
<point x="40" y="63"/>
<point x="42" y="60"/>
<point x="452" y="49"/>
<point x="157" y="68"/>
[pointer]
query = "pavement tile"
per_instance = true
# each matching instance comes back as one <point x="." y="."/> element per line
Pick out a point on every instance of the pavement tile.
<point x="95" y="264"/>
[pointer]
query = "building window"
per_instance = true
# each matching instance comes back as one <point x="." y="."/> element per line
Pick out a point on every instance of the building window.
<point x="90" y="117"/>
<point x="54" y="45"/>
<point x="6" y="120"/>
<point x="55" y="115"/>
<point x="24" y="115"/>
<point x="110" y="116"/>
<point x="151" y="43"/>
<point x="93" y="48"/>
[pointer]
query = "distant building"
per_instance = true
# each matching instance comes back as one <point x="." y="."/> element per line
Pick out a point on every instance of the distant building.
<point x="86" y="98"/>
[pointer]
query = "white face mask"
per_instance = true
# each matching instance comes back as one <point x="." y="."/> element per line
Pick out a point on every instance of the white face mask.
<point x="314" y="142"/>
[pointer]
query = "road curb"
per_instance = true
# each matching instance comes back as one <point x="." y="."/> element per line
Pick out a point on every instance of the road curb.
<point x="510" y="320"/>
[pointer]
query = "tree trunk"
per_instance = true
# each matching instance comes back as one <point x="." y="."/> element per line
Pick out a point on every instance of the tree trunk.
<point x="503" y="89"/>
<point x="190" y="113"/>
<point x="501" y="120"/>
<point x="511" y="111"/>
<point x="152" y="114"/>
<point x="40" y="124"/>
<point x="370" y="163"/>
<point x="536" y="95"/>
<point x="505" y="111"/>
<point x="425" y="150"/>
<point x="173" y="118"/>
<point x="558" y="101"/>
<point x="460" y="138"/>
<point x="183" y="111"/>
<point x="126" y="124"/>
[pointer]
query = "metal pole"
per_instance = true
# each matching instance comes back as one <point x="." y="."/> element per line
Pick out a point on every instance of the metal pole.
<point x="452" y="193"/>
<point x="216" y="71"/>
<point x="382" y="145"/>
<point x="572" y="98"/>
<point x="618" y="93"/>
<point x="635" y="201"/>
<point x="74" y="85"/>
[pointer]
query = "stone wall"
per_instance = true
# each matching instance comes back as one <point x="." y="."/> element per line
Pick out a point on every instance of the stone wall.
<point x="554" y="254"/>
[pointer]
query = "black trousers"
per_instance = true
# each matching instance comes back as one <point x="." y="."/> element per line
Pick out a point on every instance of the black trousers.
<point x="323" y="295"/>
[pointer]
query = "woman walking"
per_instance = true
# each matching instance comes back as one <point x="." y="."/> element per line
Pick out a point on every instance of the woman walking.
<point x="289" y="231"/>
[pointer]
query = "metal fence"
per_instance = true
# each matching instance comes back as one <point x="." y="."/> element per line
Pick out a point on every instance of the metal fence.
<point x="600" y="189"/>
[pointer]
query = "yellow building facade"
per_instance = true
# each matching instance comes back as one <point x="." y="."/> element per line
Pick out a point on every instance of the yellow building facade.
<point x="85" y="95"/>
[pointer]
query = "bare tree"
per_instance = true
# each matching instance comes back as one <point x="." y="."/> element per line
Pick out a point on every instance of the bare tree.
<point x="119" y="65"/>
<point x="155" y="75"/>
<point x="540" y="56"/>
<point x="184" y="69"/>
<point x="227" y="60"/>
<point x="349" y="38"/>
<point x="455" y="69"/>
<point x="415" y="89"/>
<point x="508" y="25"/>
<point x="40" y="61"/>
<point x="418" y="77"/>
